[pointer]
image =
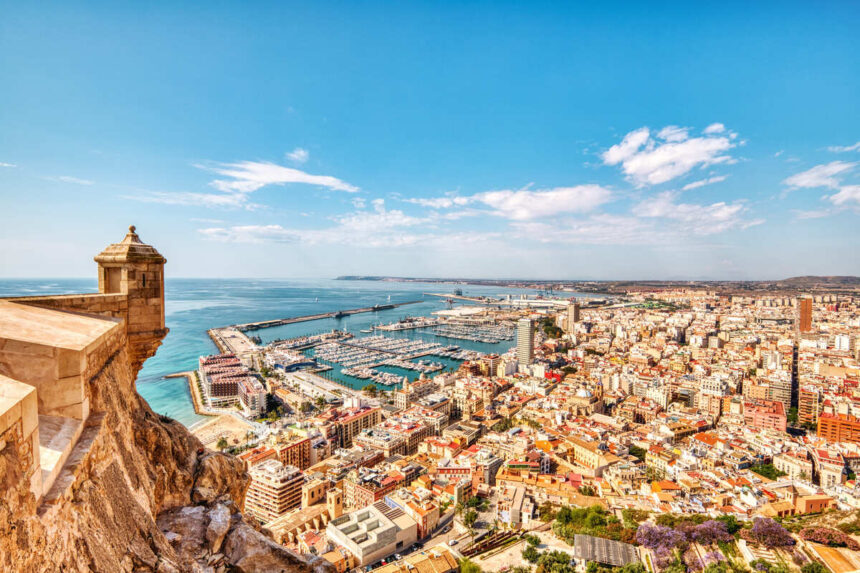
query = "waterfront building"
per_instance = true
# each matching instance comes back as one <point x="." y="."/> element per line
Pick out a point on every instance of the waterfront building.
<point x="252" y="397"/>
<point x="274" y="490"/>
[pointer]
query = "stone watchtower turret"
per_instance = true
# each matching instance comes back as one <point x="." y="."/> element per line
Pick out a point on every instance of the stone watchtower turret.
<point x="133" y="270"/>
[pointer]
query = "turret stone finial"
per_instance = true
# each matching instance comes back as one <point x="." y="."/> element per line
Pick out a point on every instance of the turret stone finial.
<point x="132" y="228"/>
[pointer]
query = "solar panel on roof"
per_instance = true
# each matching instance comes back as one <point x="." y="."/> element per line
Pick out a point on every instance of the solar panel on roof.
<point x="604" y="551"/>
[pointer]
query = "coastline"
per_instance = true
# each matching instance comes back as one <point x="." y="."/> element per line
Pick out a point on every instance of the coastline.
<point x="196" y="399"/>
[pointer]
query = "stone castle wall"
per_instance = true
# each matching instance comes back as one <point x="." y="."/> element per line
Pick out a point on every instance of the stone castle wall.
<point x="132" y="491"/>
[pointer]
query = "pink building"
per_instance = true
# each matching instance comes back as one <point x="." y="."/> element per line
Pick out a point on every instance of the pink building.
<point x="764" y="414"/>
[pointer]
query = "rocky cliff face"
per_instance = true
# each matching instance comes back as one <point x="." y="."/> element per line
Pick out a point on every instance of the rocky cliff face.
<point x="142" y="496"/>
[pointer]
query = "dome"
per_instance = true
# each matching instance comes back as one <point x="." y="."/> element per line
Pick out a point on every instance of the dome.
<point x="130" y="249"/>
<point x="583" y="393"/>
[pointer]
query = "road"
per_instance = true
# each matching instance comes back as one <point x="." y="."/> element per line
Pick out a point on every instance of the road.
<point x="438" y="536"/>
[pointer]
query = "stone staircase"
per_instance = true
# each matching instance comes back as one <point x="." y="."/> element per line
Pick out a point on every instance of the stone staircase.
<point x="65" y="469"/>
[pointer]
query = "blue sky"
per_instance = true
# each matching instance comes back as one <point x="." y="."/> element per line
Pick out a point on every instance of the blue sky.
<point x="483" y="139"/>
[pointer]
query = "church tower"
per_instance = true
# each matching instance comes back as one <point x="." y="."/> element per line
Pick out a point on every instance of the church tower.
<point x="135" y="270"/>
<point x="334" y="503"/>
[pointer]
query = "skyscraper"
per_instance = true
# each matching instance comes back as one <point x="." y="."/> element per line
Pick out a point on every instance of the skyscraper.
<point x="804" y="314"/>
<point x="525" y="341"/>
<point x="572" y="316"/>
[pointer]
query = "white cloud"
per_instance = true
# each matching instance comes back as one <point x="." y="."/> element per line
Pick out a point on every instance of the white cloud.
<point x="7" y="164"/>
<point x="703" y="182"/>
<point x="440" y="202"/>
<point x="671" y="154"/>
<point x="693" y="218"/>
<point x="847" y="194"/>
<point x="251" y="234"/>
<point x="298" y="155"/>
<point x="379" y="219"/>
<point x="843" y="149"/>
<point x="820" y="176"/>
<point x="628" y="147"/>
<point x="212" y="200"/>
<point x="673" y="133"/>
<point x="248" y="176"/>
<point x="70" y="179"/>
<point x="599" y="229"/>
<point x="813" y="214"/>
<point x="525" y="204"/>
<point x="378" y="227"/>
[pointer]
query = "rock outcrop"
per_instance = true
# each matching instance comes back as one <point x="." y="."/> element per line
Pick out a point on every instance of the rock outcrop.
<point x="136" y="493"/>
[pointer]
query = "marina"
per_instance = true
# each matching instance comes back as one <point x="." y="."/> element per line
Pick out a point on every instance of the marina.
<point x="364" y="358"/>
<point x="408" y="323"/>
<point x="487" y="334"/>
<point x="376" y="343"/>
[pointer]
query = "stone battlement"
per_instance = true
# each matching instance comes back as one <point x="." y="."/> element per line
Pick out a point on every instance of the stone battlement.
<point x="52" y="349"/>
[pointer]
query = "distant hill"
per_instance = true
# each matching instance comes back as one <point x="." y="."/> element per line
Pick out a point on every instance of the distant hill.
<point x="821" y="281"/>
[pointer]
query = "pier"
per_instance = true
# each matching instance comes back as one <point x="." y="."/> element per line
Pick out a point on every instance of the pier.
<point x="513" y="302"/>
<point x="335" y="314"/>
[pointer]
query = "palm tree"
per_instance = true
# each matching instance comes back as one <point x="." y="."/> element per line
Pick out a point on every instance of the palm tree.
<point x="469" y="519"/>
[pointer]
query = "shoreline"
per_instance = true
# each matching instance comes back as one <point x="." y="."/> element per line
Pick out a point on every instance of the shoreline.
<point x="196" y="399"/>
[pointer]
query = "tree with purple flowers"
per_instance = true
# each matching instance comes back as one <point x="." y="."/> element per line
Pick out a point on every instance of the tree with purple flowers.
<point x="769" y="533"/>
<point x="710" y="532"/>
<point x="713" y="557"/>
<point x="659" y="537"/>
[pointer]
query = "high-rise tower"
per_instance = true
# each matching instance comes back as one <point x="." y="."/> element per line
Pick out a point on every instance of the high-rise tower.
<point x="804" y="314"/>
<point x="572" y="316"/>
<point x="525" y="341"/>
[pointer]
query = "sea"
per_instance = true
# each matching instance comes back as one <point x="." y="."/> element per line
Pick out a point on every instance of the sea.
<point x="193" y="306"/>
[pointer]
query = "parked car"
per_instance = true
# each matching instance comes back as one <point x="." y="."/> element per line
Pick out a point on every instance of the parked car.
<point x="452" y="542"/>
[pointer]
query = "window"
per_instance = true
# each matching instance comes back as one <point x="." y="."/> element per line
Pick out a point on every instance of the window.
<point x="113" y="278"/>
<point x="143" y="278"/>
